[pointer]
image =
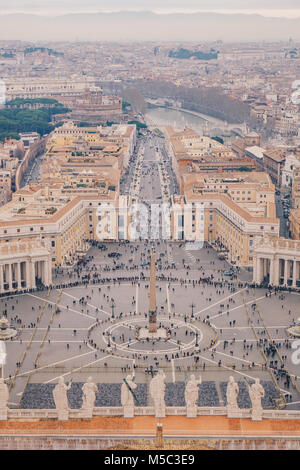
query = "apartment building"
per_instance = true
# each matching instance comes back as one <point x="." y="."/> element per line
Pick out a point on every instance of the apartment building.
<point x="216" y="218"/>
<point x="191" y="152"/>
<point x="99" y="142"/>
<point x="63" y="222"/>
<point x="274" y="160"/>
<point x="296" y="187"/>
<point x="56" y="88"/>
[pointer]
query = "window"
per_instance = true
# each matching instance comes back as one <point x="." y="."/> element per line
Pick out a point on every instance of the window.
<point x="121" y="220"/>
<point x="180" y="235"/>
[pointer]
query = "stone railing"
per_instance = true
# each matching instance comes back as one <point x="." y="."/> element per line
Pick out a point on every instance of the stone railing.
<point x="147" y="411"/>
<point x="278" y="243"/>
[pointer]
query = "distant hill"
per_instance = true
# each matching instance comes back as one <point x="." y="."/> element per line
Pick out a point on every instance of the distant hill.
<point x="131" y="26"/>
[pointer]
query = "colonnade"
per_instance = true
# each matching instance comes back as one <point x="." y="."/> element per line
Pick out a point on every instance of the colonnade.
<point x="18" y="274"/>
<point x="277" y="270"/>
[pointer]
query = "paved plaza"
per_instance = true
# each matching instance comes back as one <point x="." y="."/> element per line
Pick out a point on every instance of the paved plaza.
<point x="91" y="330"/>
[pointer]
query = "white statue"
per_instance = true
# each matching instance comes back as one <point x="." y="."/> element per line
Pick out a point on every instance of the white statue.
<point x="191" y="396"/>
<point x="232" y="393"/>
<point x="157" y="392"/>
<point x="89" y="391"/>
<point x="4" y="395"/>
<point x="2" y="353"/>
<point x="127" y="398"/>
<point x="256" y="393"/>
<point x="61" y="398"/>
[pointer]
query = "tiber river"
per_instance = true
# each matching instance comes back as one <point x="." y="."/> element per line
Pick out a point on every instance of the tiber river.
<point x="177" y="119"/>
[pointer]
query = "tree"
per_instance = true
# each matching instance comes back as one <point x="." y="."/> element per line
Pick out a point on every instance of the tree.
<point x="135" y="98"/>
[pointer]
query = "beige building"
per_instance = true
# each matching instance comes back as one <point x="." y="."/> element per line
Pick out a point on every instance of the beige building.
<point x="295" y="224"/>
<point x="254" y="191"/>
<point x="274" y="160"/>
<point x="217" y="219"/>
<point x="47" y="87"/>
<point x="231" y="212"/>
<point x="116" y="141"/>
<point x="192" y="153"/>
<point x="62" y="221"/>
<point x="296" y="187"/>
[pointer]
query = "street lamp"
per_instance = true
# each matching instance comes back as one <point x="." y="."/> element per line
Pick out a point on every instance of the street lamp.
<point x="192" y="307"/>
<point x="112" y="308"/>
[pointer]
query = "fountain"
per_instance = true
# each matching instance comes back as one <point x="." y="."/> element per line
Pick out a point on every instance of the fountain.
<point x="295" y="330"/>
<point x="6" y="331"/>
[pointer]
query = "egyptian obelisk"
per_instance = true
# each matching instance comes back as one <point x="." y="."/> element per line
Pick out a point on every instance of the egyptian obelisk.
<point x="152" y="298"/>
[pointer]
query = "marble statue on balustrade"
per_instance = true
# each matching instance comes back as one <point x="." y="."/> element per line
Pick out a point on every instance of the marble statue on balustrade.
<point x="89" y="391"/>
<point x="231" y="396"/>
<point x="4" y="395"/>
<point x="127" y="398"/>
<point x="61" y="399"/>
<point x="157" y="392"/>
<point x="256" y="393"/>
<point x="191" y="396"/>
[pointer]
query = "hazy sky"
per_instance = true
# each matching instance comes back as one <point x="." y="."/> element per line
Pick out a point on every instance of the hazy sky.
<point x="282" y="8"/>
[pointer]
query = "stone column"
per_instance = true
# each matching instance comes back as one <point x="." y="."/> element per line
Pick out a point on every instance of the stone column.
<point x="49" y="265"/>
<point x="254" y="278"/>
<point x="259" y="270"/>
<point x="10" y="287"/>
<point x="45" y="273"/>
<point x="266" y="263"/>
<point x="272" y="268"/>
<point x="286" y="265"/>
<point x="37" y="268"/>
<point x="294" y="273"/>
<point x="19" y="276"/>
<point x="276" y="271"/>
<point x="33" y="284"/>
<point x="1" y="279"/>
<point x="28" y="275"/>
